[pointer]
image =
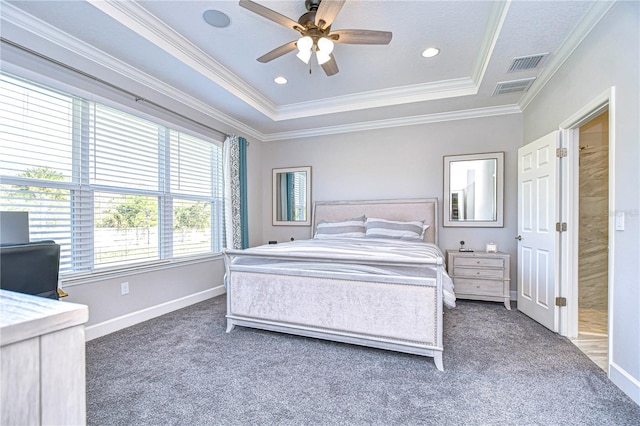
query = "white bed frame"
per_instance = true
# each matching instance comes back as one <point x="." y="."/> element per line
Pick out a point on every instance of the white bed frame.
<point x="397" y="313"/>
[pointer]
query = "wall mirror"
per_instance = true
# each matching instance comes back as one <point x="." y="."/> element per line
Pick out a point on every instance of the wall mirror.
<point x="474" y="190"/>
<point x="292" y="196"/>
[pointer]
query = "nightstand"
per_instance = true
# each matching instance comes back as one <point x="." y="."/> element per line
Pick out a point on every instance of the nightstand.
<point x="480" y="276"/>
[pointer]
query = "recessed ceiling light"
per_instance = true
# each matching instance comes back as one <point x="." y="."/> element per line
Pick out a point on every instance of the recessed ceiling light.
<point x="430" y="52"/>
<point x="280" y="80"/>
<point x="215" y="18"/>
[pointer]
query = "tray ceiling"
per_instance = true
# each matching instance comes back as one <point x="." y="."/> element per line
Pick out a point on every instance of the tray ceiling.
<point x="168" y="45"/>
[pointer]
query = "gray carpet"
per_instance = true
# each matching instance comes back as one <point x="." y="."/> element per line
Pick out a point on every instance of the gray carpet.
<point x="500" y="368"/>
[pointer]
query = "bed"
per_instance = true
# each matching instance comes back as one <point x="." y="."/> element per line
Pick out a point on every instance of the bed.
<point x="335" y="287"/>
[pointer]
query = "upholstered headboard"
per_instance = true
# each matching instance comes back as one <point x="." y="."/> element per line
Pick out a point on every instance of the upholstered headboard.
<point x="404" y="210"/>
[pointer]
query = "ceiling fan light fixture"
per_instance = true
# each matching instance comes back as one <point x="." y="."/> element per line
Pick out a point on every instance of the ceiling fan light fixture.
<point x="315" y="33"/>
<point x="304" y="43"/>
<point x="322" y="57"/>
<point x="304" y="46"/>
<point x="325" y="45"/>
<point x="304" y="55"/>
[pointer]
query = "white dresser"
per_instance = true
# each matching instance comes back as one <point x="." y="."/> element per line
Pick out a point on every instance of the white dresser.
<point x="480" y="275"/>
<point x="42" y="361"/>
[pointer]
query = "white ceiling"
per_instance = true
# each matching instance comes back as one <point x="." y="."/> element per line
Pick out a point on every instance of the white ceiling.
<point x="167" y="45"/>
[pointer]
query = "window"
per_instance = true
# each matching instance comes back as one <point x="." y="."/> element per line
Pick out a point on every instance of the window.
<point x="112" y="188"/>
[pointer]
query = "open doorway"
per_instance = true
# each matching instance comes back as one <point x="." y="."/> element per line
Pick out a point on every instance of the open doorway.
<point x="593" y="239"/>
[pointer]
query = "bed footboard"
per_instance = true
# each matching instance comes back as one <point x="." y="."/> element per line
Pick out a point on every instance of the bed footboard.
<point x="392" y="314"/>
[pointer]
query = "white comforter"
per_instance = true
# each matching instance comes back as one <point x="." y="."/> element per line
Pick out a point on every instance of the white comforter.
<point x="376" y="256"/>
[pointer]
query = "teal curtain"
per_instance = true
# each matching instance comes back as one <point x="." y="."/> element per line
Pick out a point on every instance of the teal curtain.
<point x="244" y="219"/>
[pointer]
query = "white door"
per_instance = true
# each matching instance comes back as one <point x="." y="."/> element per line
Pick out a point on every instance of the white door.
<point x="538" y="239"/>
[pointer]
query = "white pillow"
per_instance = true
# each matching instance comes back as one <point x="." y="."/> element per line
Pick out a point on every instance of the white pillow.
<point x="348" y="228"/>
<point x="382" y="228"/>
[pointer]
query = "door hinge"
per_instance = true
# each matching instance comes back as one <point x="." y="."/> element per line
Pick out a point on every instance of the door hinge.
<point x="561" y="152"/>
<point x="561" y="301"/>
<point x="561" y="226"/>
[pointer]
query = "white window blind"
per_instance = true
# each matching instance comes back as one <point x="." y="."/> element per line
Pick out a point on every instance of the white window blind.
<point x="124" y="153"/>
<point x="37" y="127"/>
<point x="49" y="214"/>
<point x="196" y="189"/>
<point x="299" y="196"/>
<point x="111" y="188"/>
<point x="36" y="151"/>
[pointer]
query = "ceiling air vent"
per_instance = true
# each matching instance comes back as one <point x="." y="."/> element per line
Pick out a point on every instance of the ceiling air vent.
<point x="524" y="63"/>
<point x="513" y="86"/>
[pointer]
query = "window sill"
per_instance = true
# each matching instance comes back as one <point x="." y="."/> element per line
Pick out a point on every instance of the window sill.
<point x="80" y="278"/>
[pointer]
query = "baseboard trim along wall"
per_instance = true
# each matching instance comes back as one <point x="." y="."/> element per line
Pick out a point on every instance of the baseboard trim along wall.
<point x="625" y="381"/>
<point x="102" y="329"/>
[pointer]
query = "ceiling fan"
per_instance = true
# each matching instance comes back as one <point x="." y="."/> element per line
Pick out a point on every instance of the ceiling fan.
<point x="315" y="33"/>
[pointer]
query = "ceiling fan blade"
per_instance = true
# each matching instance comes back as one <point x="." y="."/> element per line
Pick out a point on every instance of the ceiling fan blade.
<point x="277" y="52"/>
<point x="327" y="12"/>
<point x="361" y="36"/>
<point x="330" y="67"/>
<point x="272" y="15"/>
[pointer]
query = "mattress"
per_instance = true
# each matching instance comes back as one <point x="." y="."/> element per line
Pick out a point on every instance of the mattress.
<point x="352" y="257"/>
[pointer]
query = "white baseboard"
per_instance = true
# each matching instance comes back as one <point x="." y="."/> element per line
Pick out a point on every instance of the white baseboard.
<point x="514" y="295"/>
<point x="102" y="329"/>
<point x="626" y="382"/>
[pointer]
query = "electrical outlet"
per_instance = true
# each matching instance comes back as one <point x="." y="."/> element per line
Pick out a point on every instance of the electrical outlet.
<point x="124" y="288"/>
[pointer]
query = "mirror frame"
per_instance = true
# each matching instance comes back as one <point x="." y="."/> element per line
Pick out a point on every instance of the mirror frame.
<point x="446" y="205"/>
<point x="274" y="201"/>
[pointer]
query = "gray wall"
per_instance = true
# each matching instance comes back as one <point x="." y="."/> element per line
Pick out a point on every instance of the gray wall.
<point x="404" y="162"/>
<point x="608" y="57"/>
<point x="147" y="289"/>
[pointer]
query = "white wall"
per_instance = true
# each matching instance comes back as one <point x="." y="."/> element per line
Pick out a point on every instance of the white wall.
<point x="404" y="162"/>
<point x="608" y="57"/>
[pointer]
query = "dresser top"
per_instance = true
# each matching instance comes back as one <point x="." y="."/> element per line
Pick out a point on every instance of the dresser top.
<point x="23" y="316"/>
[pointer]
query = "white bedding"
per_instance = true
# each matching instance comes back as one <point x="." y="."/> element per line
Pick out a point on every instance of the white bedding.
<point x="360" y="255"/>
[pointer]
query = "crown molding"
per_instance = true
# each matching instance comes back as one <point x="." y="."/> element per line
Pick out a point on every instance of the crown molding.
<point x="138" y="19"/>
<point x="494" y="28"/>
<point x="409" y="94"/>
<point x="147" y="25"/>
<point x="592" y="18"/>
<point x="395" y="122"/>
<point x="33" y="25"/>
<point x="371" y="99"/>
<point x="379" y="98"/>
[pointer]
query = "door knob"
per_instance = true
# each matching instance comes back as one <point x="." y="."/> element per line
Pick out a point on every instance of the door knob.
<point x="519" y="238"/>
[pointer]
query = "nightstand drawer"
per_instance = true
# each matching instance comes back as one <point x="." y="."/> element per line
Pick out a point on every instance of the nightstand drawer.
<point x="479" y="273"/>
<point x="478" y="262"/>
<point x="480" y="276"/>
<point x="479" y="287"/>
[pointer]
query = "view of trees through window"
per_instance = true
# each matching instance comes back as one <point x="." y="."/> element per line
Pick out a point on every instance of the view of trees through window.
<point x="110" y="187"/>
